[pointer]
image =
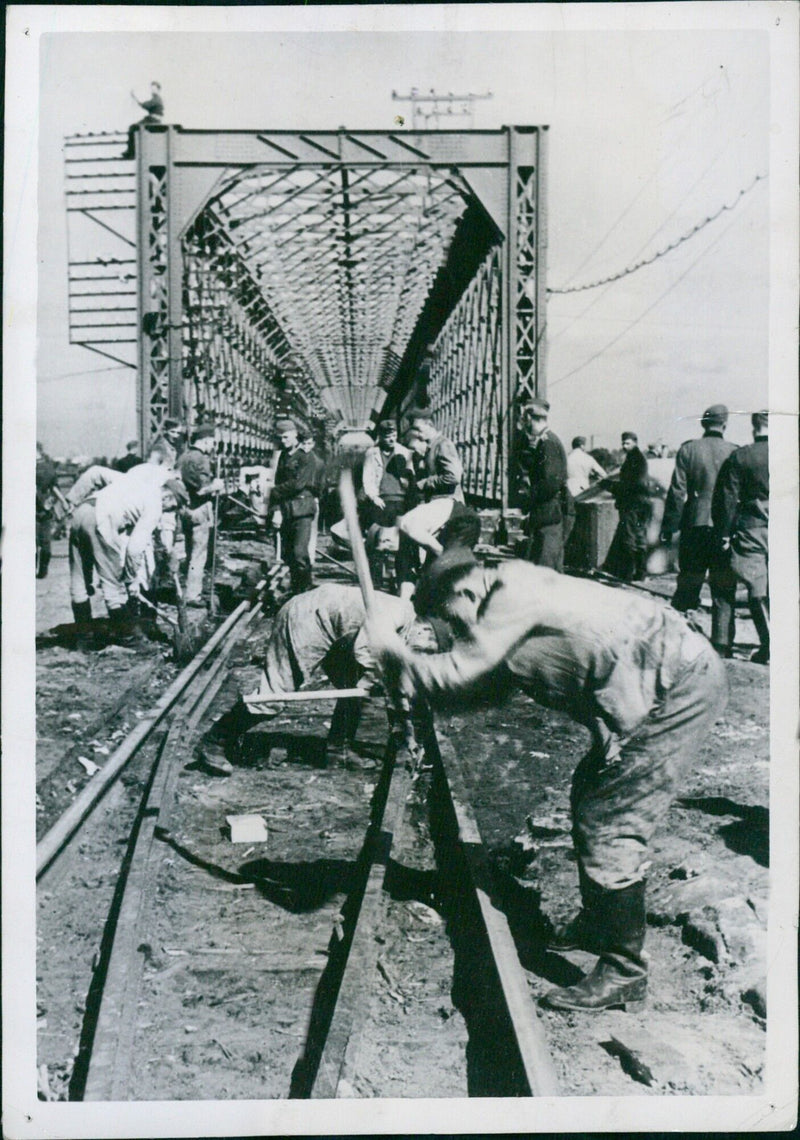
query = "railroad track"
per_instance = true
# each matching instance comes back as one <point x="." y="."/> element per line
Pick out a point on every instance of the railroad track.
<point x="260" y="991"/>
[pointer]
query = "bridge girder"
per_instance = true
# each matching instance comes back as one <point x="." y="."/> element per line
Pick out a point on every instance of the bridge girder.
<point x="312" y="271"/>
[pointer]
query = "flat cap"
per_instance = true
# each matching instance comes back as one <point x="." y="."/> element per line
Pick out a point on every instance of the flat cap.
<point x="630" y="435"/>
<point x="285" y="424"/>
<point x="386" y="427"/>
<point x="203" y="431"/>
<point x="716" y="414"/>
<point x="439" y="575"/>
<point x="537" y="406"/>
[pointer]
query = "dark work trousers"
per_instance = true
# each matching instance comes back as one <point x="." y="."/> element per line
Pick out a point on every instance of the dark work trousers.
<point x="344" y="672"/>
<point x="627" y="555"/>
<point x="44" y="535"/>
<point x="619" y="799"/>
<point x="545" y="547"/>
<point x="698" y="555"/>
<point x="386" y="516"/>
<point x="295" y="541"/>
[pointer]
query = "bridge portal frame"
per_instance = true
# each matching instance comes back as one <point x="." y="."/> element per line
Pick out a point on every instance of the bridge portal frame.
<point x="177" y="171"/>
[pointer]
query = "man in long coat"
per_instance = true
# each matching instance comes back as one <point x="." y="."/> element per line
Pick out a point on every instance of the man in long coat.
<point x="740" y="512"/>
<point x="688" y="510"/>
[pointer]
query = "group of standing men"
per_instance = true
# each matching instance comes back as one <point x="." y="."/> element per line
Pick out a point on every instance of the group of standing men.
<point x="718" y="500"/>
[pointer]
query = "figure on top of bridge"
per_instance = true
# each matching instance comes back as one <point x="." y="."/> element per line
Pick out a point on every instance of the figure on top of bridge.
<point x="542" y="487"/>
<point x="154" y="108"/>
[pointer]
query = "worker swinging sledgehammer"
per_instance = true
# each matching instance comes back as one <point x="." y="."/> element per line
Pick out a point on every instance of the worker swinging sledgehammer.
<point x="631" y="670"/>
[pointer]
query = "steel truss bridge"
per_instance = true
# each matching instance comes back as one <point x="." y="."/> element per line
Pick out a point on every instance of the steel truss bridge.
<point x="339" y="275"/>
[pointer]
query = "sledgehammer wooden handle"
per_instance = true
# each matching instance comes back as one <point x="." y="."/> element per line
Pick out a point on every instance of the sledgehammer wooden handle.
<point x="347" y="494"/>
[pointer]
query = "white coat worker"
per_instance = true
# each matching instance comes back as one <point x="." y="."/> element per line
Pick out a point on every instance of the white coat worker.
<point x="127" y="512"/>
<point x="82" y="540"/>
<point x="320" y="629"/>
<point x="629" y="668"/>
<point x="582" y="468"/>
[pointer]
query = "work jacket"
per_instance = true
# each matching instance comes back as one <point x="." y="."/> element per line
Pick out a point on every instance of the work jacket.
<point x="387" y="476"/>
<point x="442" y="470"/>
<point x="697" y="466"/>
<point x="603" y="655"/>
<point x="295" y="480"/>
<point x="543" y="477"/>
<point x="741" y="497"/>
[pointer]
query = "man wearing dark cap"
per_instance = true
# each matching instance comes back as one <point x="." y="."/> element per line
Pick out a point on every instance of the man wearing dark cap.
<point x="542" y="486"/>
<point x="197" y="518"/>
<point x="627" y="555"/>
<point x="131" y="458"/>
<point x="293" y="495"/>
<point x="740" y="513"/>
<point x="627" y="667"/>
<point x="688" y="510"/>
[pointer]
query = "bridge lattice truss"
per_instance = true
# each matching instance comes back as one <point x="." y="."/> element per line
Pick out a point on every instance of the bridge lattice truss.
<point x="338" y="276"/>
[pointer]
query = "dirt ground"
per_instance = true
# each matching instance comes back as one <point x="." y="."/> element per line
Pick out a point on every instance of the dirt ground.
<point x="239" y="936"/>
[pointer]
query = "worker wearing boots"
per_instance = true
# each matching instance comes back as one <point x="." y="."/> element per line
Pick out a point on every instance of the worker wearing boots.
<point x="627" y="555"/>
<point x="320" y="629"/>
<point x="293" y="495"/>
<point x="81" y="547"/>
<point x="740" y="511"/>
<point x="197" y="517"/>
<point x="127" y="513"/>
<point x="688" y="510"/>
<point x="630" y="669"/>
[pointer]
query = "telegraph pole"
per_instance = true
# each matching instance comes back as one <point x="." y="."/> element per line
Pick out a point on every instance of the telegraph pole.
<point x="430" y="111"/>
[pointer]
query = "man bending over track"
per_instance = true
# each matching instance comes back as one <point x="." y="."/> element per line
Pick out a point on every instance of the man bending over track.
<point x="319" y="629"/>
<point x="632" y="671"/>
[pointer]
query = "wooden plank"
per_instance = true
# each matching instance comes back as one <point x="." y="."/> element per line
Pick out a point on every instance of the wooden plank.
<point x="512" y="988"/>
<point x="305" y="695"/>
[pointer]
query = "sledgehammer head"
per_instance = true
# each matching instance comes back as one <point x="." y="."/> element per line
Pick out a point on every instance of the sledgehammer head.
<point x="189" y="639"/>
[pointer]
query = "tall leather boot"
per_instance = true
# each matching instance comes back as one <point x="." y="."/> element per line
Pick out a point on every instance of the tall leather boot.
<point x="82" y="615"/>
<point x="583" y="931"/>
<point x="759" y="611"/>
<point x="223" y="741"/>
<point x="619" y="980"/>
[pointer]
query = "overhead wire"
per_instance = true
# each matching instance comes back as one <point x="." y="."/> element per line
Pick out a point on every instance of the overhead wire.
<point x="650" y="307"/>
<point x="667" y="249"/>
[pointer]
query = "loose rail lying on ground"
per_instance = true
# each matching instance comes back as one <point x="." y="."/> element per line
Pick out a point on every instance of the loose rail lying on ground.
<point x="50" y="846"/>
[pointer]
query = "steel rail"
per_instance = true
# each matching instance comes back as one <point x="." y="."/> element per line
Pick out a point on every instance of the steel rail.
<point x="56" y="839"/>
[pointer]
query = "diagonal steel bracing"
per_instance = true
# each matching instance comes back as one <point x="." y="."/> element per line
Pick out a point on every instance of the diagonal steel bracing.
<point x="311" y="271"/>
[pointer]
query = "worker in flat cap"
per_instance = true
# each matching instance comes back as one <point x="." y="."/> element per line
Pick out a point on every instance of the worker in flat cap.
<point x="688" y="510"/>
<point x="197" y="517"/>
<point x="627" y="555"/>
<point x="293" y="495"/>
<point x="740" y="514"/>
<point x="627" y="667"/>
<point x="541" y="486"/>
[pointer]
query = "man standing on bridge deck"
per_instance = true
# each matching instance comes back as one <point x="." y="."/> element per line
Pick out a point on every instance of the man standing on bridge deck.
<point x="688" y="510"/>
<point x="293" y="495"/>
<point x="318" y="468"/>
<point x="631" y="670"/>
<point x="197" y="518"/>
<point x="319" y="629"/>
<point x="542" y="472"/>
<point x="740" y="511"/>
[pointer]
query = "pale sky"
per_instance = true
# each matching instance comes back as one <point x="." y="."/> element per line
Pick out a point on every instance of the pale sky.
<point x="650" y="133"/>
